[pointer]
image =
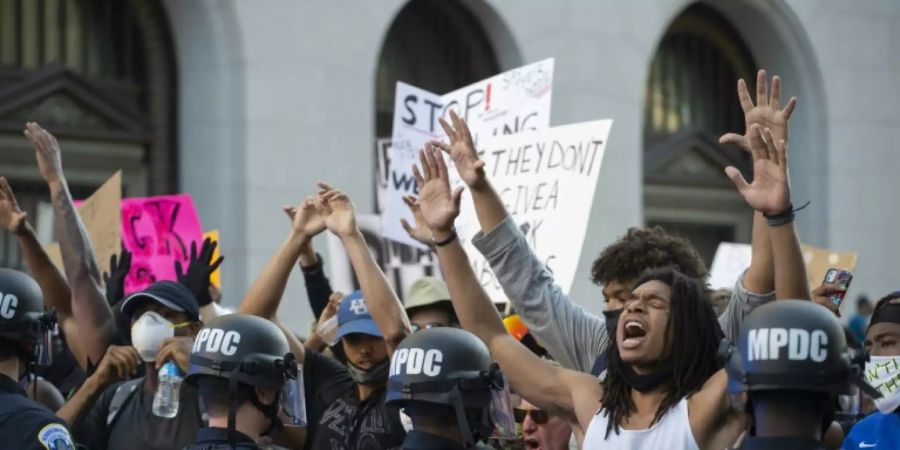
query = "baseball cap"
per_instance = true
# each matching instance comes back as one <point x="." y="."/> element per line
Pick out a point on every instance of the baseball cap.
<point x="170" y="294"/>
<point x="354" y="317"/>
<point x="427" y="291"/>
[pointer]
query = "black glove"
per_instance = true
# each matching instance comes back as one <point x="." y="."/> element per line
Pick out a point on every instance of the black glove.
<point x="200" y="267"/>
<point x="119" y="266"/>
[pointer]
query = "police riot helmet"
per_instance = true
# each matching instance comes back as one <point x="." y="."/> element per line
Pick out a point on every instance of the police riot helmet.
<point x="22" y="316"/>
<point x="450" y="368"/>
<point x="252" y="351"/>
<point x="793" y="345"/>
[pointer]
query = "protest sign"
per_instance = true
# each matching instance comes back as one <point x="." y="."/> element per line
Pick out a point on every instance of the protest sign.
<point x="546" y="180"/>
<point x="100" y="216"/>
<point x="508" y="103"/>
<point x="158" y="231"/>
<point x="216" y="277"/>
<point x="733" y="259"/>
<point x="730" y="262"/>
<point x="818" y="260"/>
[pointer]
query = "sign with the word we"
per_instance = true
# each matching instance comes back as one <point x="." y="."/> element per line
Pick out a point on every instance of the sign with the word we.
<point x="508" y="103"/>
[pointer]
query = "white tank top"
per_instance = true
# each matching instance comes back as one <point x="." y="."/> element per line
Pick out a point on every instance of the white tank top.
<point x="673" y="431"/>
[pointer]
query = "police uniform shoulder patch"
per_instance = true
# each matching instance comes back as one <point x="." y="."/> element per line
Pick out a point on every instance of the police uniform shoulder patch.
<point x="55" y="437"/>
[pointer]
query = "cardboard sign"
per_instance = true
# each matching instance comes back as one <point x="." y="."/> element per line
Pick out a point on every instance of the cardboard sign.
<point x="216" y="277"/>
<point x="100" y="215"/>
<point x="818" y="260"/>
<point x="158" y="231"/>
<point x="733" y="259"/>
<point x="508" y="103"/>
<point x="546" y="180"/>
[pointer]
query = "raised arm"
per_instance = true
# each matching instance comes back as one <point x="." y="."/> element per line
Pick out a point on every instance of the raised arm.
<point x="548" y="387"/>
<point x="318" y="288"/>
<point x="196" y="276"/>
<point x="265" y="295"/>
<point x="570" y="334"/>
<point x="387" y="311"/>
<point x="96" y="325"/>
<point x="770" y="194"/>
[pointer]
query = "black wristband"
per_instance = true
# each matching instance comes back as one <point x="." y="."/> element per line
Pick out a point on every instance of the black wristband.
<point x="785" y="217"/>
<point x="447" y="241"/>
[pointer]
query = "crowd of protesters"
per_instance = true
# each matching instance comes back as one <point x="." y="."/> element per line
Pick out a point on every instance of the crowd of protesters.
<point x="83" y="365"/>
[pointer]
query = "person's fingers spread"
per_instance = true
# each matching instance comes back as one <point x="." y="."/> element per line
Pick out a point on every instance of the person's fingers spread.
<point x="439" y="162"/>
<point x="215" y="265"/>
<point x="457" y="196"/>
<point x="420" y="182"/>
<point x="775" y="100"/>
<point x="406" y="226"/>
<point x="450" y="134"/>
<point x="761" y="98"/>
<point x="735" y="175"/>
<point x="771" y="153"/>
<point x="782" y="154"/>
<point x="755" y="141"/>
<point x="744" y="96"/>
<point x="441" y="145"/>
<point x="178" y="268"/>
<point x="433" y="170"/>
<point x="789" y="108"/>
<point x="324" y="186"/>
<point x="426" y="168"/>
<point x="478" y="164"/>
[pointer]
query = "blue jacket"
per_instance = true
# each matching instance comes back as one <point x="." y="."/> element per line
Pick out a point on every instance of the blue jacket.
<point x="877" y="431"/>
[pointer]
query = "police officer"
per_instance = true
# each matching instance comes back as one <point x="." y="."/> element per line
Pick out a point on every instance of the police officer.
<point x="24" y="328"/>
<point x="444" y="380"/>
<point x="245" y="373"/>
<point x="791" y="360"/>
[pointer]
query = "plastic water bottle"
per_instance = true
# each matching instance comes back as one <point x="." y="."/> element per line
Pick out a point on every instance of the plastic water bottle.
<point x="165" y="402"/>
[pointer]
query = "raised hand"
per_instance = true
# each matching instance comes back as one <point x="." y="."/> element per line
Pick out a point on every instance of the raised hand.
<point x="439" y="206"/>
<point x="420" y="232"/>
<point x="47" y="151"/>
<point x="770" y="192"/>
<point x="336" y="210"/>
<point x="12" y="218"/>
<point x="305" y="219"/>
<point x="764" y="114"/>
<point x="114" y="280"/>
<point x="462" y="151"/>
<point x="200" y="267"/>
<point x="822" y="296"/>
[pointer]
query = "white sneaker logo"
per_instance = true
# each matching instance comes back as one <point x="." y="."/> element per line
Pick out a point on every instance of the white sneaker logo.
<point x="864" y="445"/>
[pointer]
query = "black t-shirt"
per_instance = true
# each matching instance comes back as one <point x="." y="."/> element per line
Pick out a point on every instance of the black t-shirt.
<point x="217" y="439"/>
<point x="136" y="426"/>
<point x="338" y="420"/>
<point x="417" y="440"/>
<point x="27" y="425"/>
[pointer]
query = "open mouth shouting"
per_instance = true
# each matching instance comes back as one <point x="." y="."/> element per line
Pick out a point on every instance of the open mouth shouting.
<point x="634" y="332"/>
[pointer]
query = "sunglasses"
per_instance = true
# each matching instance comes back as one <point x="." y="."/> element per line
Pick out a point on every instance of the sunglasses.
<point x="539" y="417"/>
<point x="427" y="326"/>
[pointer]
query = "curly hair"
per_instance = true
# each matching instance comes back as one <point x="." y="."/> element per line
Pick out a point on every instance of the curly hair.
<point x="646" y="248"/>
<point x="695" y="336"/>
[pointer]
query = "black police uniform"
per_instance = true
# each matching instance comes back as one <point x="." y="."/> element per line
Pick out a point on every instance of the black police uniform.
<point x="26" y="424"/>
<point x="217" y="439"/>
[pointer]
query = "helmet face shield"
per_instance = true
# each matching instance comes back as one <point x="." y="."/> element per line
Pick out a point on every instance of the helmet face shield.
<point x="43" y="346"/>
<point x="501" y="410"/>
<point x="293" y="403"/>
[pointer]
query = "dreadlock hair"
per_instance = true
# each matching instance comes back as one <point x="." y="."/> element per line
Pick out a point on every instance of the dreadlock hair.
<point x="646" y="248"/>
<point x="692" y="330"/>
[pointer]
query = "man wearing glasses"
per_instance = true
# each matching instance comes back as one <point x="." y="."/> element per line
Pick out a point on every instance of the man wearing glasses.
<point x="428" y="305"/>
<point x="542" y="431"/>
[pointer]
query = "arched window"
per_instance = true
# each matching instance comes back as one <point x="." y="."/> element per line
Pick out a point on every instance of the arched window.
<point x="99" y="74"/>
<point x="435" y="45"/>
<point x="690" y="100"/>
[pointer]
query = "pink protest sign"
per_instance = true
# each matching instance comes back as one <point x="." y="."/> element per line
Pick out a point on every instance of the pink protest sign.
<point x="158" y="231"/>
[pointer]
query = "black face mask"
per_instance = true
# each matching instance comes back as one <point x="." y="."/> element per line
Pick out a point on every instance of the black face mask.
<point x="648" y="382"/>
<point x="376" y="375"/>
<point x="612" y="320"/>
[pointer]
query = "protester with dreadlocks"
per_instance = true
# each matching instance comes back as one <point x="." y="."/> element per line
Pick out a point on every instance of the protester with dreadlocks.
<point x="651" y="397"/>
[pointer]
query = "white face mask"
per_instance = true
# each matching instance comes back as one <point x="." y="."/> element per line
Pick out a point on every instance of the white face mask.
<point x="883" y="373"/>
<point x="148" y="333"/>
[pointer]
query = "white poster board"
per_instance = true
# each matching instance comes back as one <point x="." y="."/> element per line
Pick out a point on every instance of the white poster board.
<point x="508" y="103"/>
<point x="546" y="180"/>
<point x="730" y="262"/>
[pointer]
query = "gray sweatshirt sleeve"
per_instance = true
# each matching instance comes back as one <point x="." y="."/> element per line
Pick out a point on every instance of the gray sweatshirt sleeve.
<point x="571" y="335"/>
<point x="741" y="304"/>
